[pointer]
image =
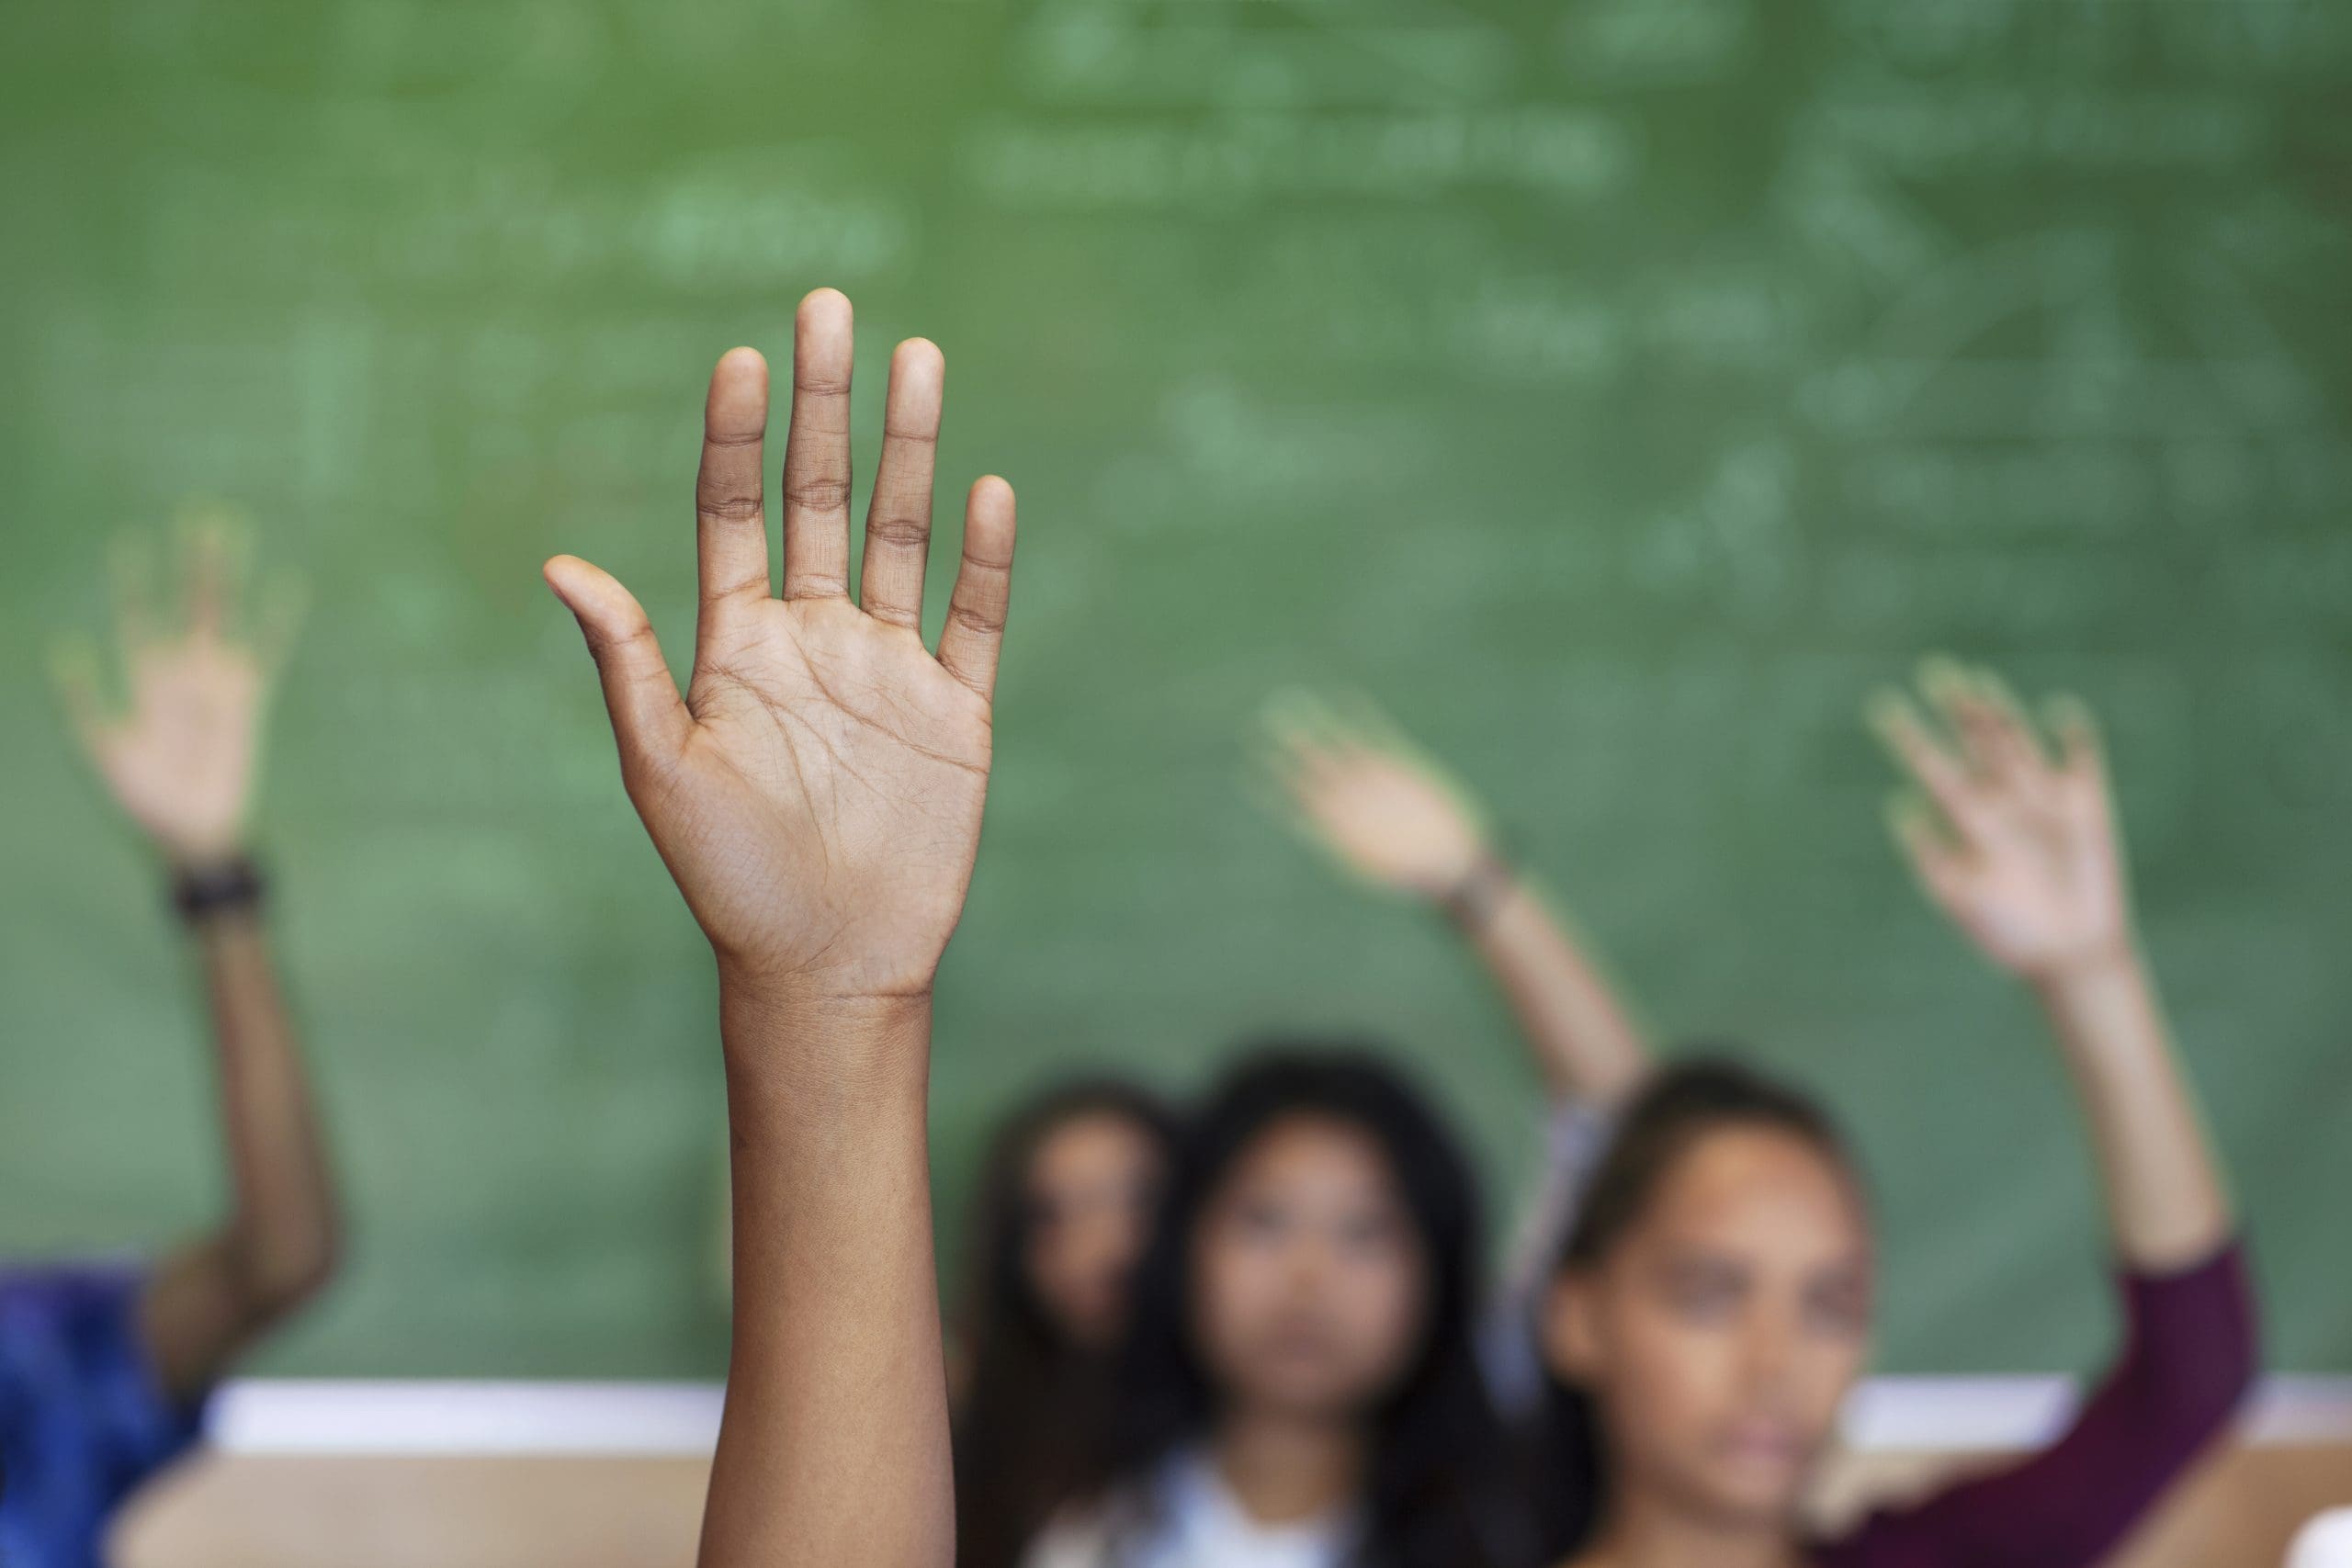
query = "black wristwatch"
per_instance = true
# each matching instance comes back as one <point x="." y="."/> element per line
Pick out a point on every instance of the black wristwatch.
<point x="200" y="892"/>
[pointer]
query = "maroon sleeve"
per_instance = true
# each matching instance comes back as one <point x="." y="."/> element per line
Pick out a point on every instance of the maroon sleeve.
<point x="2188" y="1356"/>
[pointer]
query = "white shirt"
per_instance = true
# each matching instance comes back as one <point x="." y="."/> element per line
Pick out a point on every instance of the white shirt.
<point x="2325" y="1542"/>
<point x="1198" y="1523"/>
<point x="1574" y="1138"/>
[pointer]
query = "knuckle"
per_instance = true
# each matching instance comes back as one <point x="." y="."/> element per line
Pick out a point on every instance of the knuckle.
<point x="817" y="492"/>
<point x="986" y="619"/>
<point x="899" y="531"/>
<point x="737" y="508"/>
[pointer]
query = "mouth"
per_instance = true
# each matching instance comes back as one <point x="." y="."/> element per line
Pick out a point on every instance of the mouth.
<point x="1764" y="1445"/>
<point x="1299" y="1344"/>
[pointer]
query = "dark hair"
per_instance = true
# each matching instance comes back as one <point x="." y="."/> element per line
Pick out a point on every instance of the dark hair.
<point x="1680" y="1106"/>
<point x="1434" y="1495"/>
<point x="1034" y="1404"/>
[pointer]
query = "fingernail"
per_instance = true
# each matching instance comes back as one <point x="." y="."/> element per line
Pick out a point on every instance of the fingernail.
<point x="1941" y="675"/>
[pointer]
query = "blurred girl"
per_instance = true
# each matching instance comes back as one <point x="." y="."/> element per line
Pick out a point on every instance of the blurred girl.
<point x="1063" y="1210"/>
<point x="1713" y="1305"/>
<point x="1300" y="1388"/>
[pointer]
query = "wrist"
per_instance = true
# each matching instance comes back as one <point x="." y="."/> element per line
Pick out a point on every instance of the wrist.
<point x="2102" y="1008"/>
<point x="2093" y="968"/>
<point x="216" y="888"/>
<point x="1471" y="901"/>
<point x="200" y="853"/>
<point x="768" y="995"/>
<point x="819" y="1042"/>
<point x="772" y="984"/>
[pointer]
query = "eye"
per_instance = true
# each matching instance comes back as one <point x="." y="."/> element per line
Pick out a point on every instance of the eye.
<point x="1839" y="1308"/>
<point x="1368" y="1236"/>
<point x="1705" y="1294"/>
<point x="1261" y="1221"/>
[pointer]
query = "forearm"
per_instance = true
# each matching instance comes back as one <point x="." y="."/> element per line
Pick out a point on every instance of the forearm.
<point x="207" y="1301"/>
<point x="1584" y="1039"/>
<point x="2164" y="1192"/>
<point x="283" y="1228"/>
<point x="834" y="1447"/>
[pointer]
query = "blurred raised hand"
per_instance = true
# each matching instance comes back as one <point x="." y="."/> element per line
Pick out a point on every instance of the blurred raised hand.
<point x="180" y="753"/>
<point x="1357" y="787"/>
<point x="1355" y="784"/>
<point x="2017" y="842"/>
<point x="817" y="792"/>
<point x="2012" y="833"/>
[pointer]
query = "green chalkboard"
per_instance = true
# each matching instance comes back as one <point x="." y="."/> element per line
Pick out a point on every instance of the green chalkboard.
<point x="1619" y="389"/>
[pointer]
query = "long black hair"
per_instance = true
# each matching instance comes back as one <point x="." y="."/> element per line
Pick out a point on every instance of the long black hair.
<point x="1034" y="1404"/>
<point x="1434" y="1494"/>
<point x="1681" y="1105"/>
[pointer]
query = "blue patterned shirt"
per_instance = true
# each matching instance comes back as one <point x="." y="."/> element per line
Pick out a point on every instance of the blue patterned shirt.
<point x="82" y="1420"/>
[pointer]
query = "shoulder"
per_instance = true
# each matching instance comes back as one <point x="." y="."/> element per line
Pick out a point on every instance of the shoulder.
<point x="74" y="1361"/>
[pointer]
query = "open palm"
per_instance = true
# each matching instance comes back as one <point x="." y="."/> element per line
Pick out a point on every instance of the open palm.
<point x="1360" y="789"/>
<point x="180" y="754"/>
<point x="818" y="790"/>
<point x="2022" y="848"/>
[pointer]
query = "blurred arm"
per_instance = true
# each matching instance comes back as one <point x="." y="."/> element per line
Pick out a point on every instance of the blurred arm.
<point x="2020" y="849"/>
<point x="1362" y="790"/>
<point x="207" y="1301"/>
<point x="179" y="754"/>
<point x="2164" y="1200"/>
<point x="2017" y="844"/>
<point x="1578" y="1028"/>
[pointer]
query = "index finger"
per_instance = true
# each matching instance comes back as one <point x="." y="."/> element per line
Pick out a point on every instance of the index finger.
<point x="1927" y="758"/>
<point x="730" y="510"/>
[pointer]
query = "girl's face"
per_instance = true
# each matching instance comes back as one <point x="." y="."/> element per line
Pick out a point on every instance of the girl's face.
<point x="1308" y="1277"/>
<point x="1093" y="1184"/>
<point x="1720" y="1336"/>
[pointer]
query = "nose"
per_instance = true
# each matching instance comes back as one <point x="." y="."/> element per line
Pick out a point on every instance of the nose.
<point x="1769" y="1347"/>
<point x="1310" y="1264"/>
<point x="1101" y="1234"/>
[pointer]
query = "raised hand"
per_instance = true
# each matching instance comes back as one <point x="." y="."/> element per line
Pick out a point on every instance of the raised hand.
<point x="818" y="790"/>
<point x="181" y="754"/>
<point x="1361" y="790"/>
<point x="2019" y="845"/>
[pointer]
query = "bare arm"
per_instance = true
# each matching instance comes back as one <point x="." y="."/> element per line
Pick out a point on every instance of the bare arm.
<point x="2021" y="851"/>
<point x="2165" y="1198"/>
<point x="817" y="795"/>
<point x="835" y="1445"/>
<point x="208" y="1301"/>
<point x="1393" y="818"/>
<point x="180" y="756"/>
<point x="1585" y="1040"/>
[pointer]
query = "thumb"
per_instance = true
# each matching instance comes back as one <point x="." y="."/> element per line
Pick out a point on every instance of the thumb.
<point x="650" y="720"/>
